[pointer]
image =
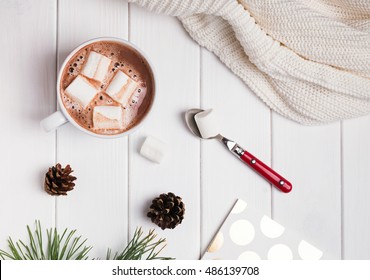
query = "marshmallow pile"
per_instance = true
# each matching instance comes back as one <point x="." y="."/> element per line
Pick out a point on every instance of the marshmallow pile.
<point x="120" y="89"/>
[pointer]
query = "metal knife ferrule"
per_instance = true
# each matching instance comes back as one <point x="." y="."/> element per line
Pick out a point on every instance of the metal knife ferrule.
<point x="233" y="147"/>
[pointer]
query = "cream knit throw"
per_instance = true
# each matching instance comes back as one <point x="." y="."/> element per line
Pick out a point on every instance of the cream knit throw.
<point x="308" y="60"/>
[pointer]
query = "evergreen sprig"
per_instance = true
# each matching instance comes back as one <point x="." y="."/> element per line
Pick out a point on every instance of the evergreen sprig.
<point x="68" y="247"/>
<point x="58" y="247"/>
<point x="141" y="248"/>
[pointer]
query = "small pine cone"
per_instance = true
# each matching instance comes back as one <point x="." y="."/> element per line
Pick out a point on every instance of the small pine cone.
<point x="58" y="180"/>
<point x="167" y="211"/>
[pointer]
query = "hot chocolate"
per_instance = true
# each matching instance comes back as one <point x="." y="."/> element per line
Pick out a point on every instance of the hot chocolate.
<point x="107" y="87"/>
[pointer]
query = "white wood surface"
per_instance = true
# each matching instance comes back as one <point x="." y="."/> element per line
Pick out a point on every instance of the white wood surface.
<point x="329" y="166"/>
<point x="356" y="192"/>
<point x="28" y="42"/>
<point x="314" y="207"/>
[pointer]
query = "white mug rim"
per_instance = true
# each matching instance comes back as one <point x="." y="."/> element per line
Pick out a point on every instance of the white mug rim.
<point x="64" y="110"/>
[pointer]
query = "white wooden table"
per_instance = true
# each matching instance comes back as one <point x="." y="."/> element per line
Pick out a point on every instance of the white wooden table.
<point x="329" y="166"/>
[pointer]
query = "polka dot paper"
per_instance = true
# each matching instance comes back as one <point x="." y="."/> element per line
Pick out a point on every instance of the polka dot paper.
<point x="247" y="235"/>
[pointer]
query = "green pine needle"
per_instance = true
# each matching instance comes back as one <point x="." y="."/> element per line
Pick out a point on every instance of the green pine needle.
<point x="56" y="247"/>
<point x="68" y="247"/>
<point x="141" y="247"/>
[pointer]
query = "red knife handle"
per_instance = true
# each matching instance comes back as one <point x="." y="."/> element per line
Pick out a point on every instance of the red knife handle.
<point x="269" y="174"/>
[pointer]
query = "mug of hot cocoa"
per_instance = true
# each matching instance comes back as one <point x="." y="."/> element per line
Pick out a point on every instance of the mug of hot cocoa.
<point x="105" y="87"/>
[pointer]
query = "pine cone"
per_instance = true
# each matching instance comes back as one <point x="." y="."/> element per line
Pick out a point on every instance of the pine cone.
<point x="167" y="211"/>
<point x="58" y="180"/>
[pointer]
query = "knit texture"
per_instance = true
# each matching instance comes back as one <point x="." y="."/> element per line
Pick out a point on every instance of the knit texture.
<point x="308" y="60"/>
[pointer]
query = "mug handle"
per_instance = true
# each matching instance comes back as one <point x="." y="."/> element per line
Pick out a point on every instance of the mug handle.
<point x="53" y="121"/>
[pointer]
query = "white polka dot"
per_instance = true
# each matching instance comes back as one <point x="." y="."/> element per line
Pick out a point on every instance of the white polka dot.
<point x="217" y="243"/>
<point x="249" y="255"/>
<point x="308" y="251"/>
<point x="241" y="232"/>
<point x="270" y="228"/>
<point x="239" y="207"/>
<point x="280" y="252"/>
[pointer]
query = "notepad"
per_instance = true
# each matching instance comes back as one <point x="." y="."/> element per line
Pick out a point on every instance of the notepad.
<point x="249" y="235"/>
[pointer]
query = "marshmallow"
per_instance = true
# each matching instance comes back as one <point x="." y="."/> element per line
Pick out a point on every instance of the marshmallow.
<point x="96" y="67"/>
<point x="137" y="98"/>
<point x="81" y="91"/>
<point x="153" y="149"/>
<point x="207" y="123"/>
<point x="107" y="117"/>
<point x="129" y="115"/>
<point x="121" y="88"/>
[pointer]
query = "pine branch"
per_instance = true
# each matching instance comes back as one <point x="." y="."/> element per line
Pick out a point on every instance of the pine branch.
<point x="55" y="250"/>
<point x="68" y="247"/>
<point x="140" y="247"/>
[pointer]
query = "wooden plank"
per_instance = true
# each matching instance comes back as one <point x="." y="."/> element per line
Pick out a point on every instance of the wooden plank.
<point x="98" y="205"/>
<point x="310" y="158"/>
<point x="356" y="191"/>
<point x="176" y="59"/>
<point x="244" y="119"/>
<point x="28" y="42"/>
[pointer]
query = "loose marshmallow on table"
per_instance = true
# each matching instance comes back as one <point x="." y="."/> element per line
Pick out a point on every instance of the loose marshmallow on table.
<point x="81" y="91"/>
<point x="207" y="123"/>
<point x="107" y="117"/>
<point x="153" y="149"/>
<point x="96" y="67"/>
<point x="121" y="88"/>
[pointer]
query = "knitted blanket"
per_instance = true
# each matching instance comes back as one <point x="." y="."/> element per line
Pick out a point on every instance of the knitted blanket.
<point x="308" y="60"/>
